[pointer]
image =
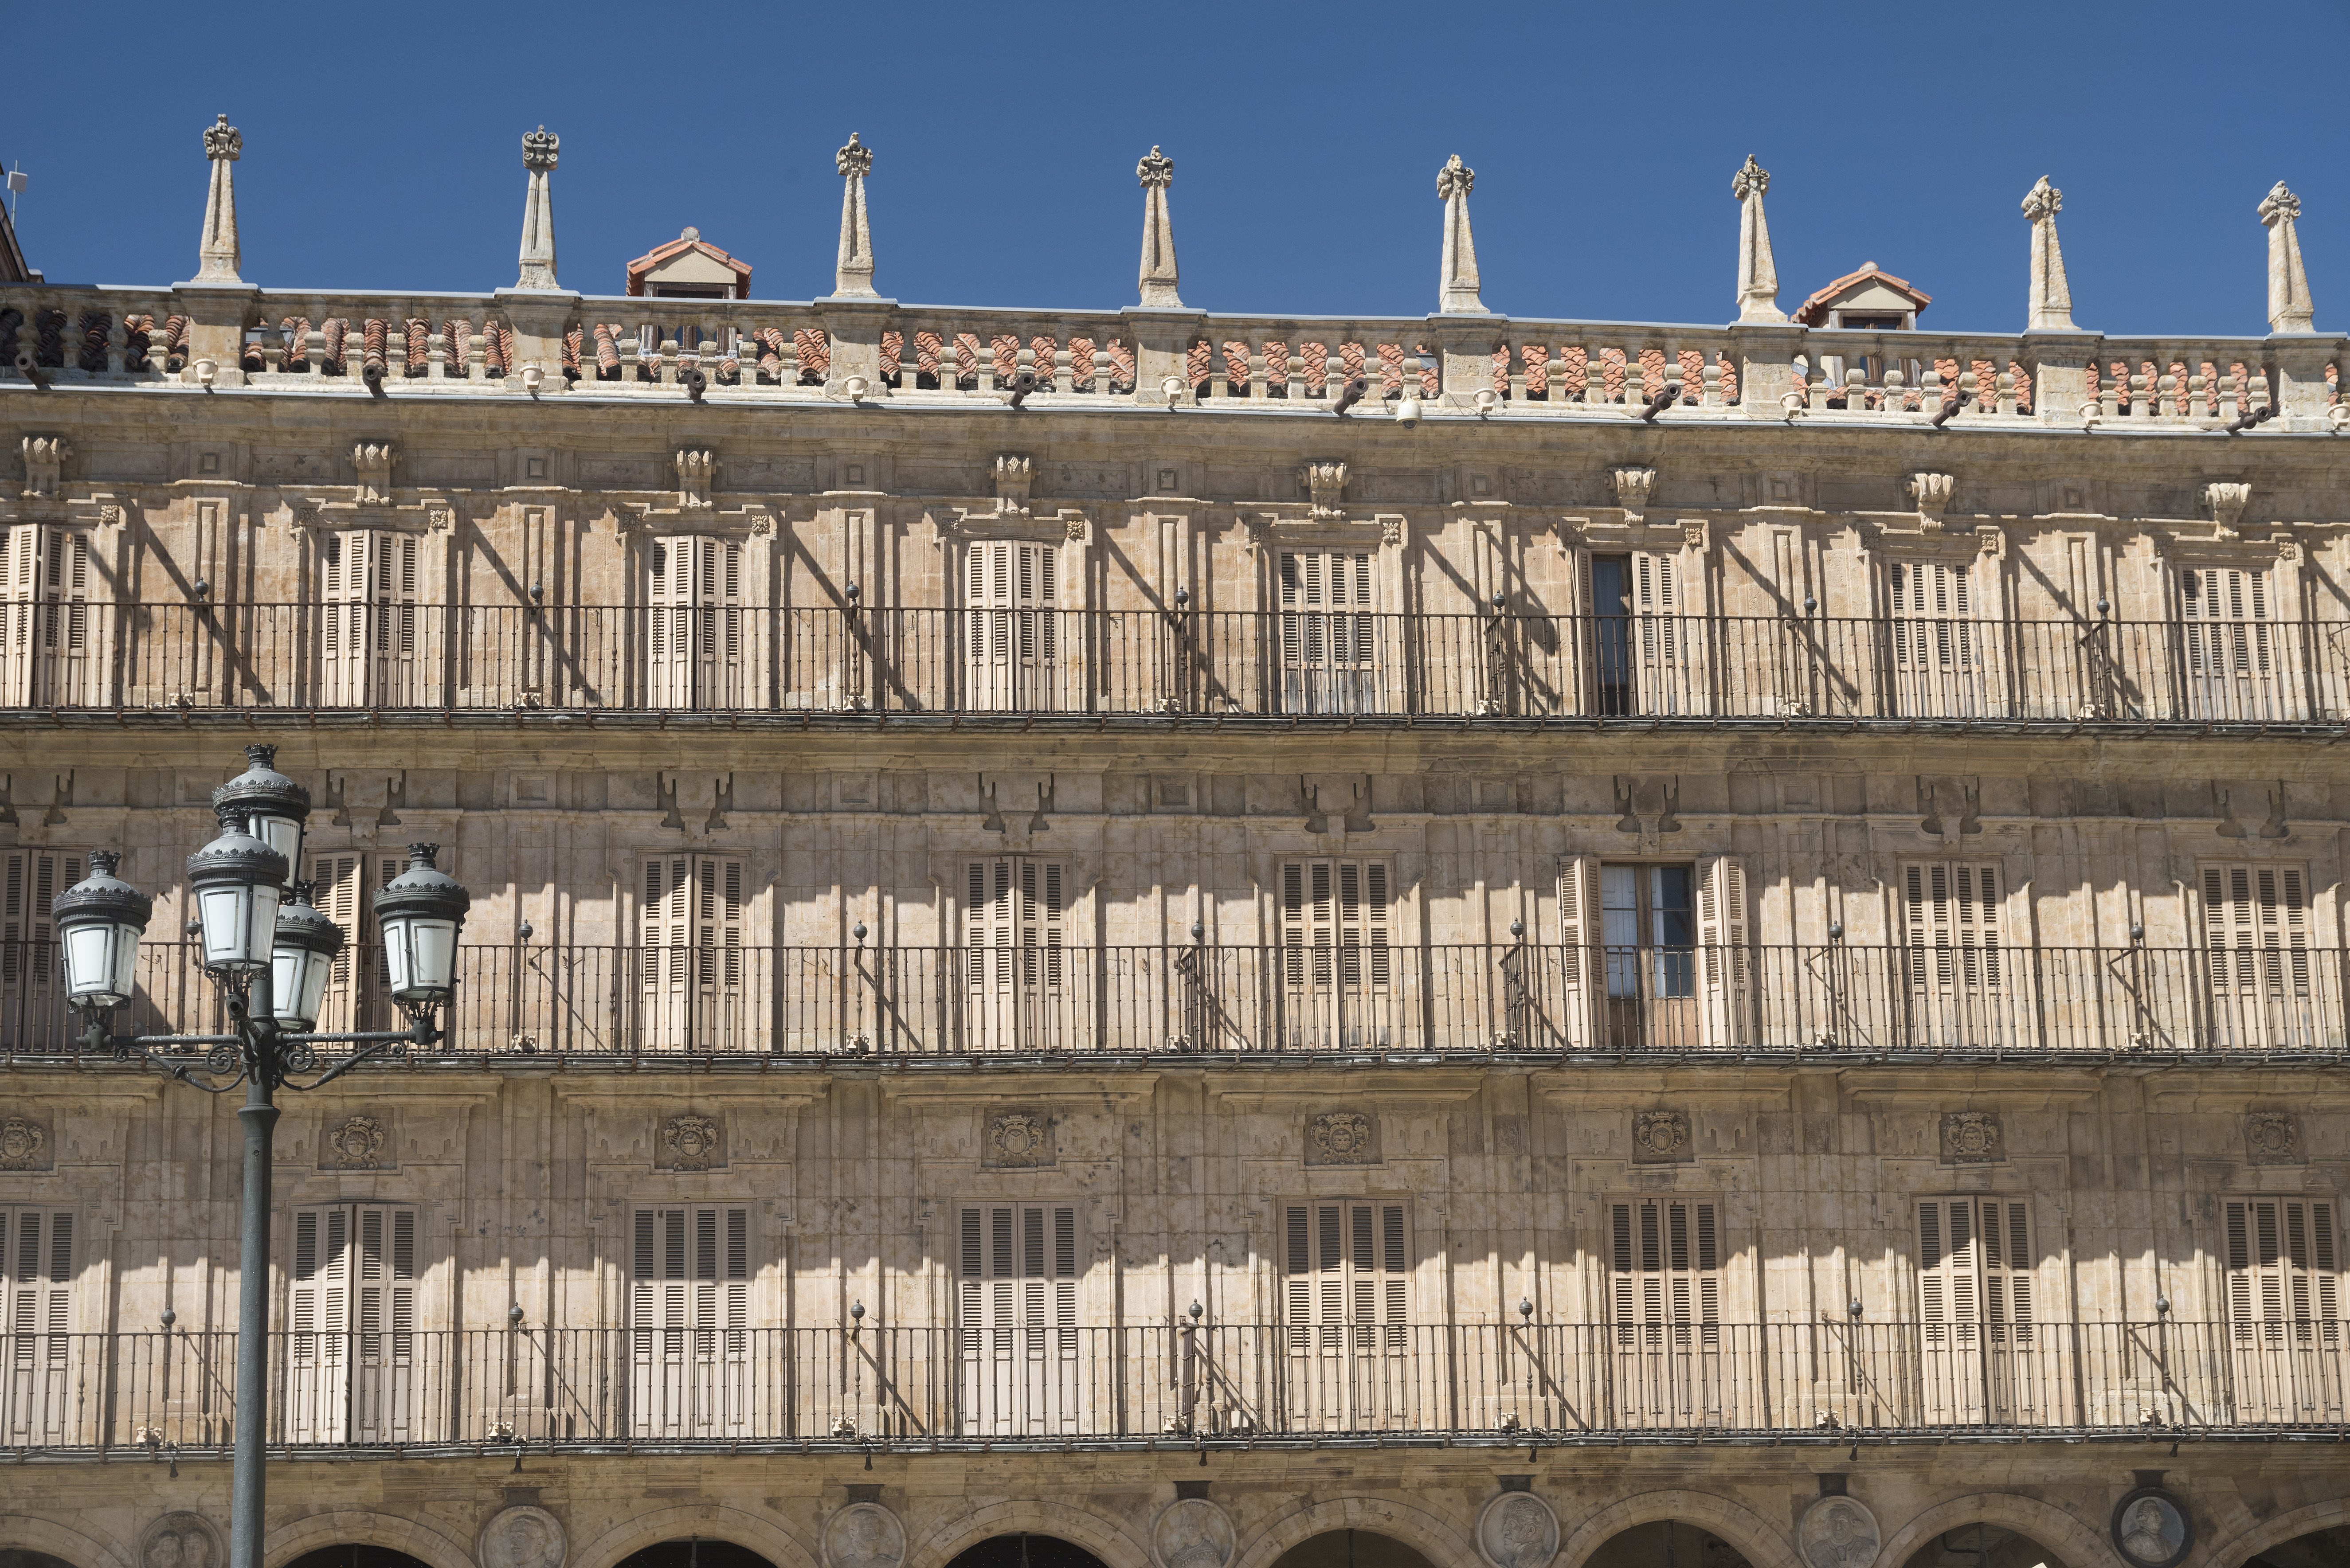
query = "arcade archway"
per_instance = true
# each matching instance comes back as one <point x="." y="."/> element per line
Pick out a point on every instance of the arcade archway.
<point x="1351" y="1549"/>
<point x="1983" y="1546"/>
<point x="1667" y="1543"/>
<point x="25" y="1557"/>
<point x="352" y="1554"/>
<point x="2318" y="1549"/>
<point x="1025" y="1551"/>
<point x="693" y="1551"/>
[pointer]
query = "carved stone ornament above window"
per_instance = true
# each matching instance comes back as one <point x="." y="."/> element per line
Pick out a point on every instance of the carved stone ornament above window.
<point x="1972" y="1137"/>
<point x="1016" y="1140"/>
<point x="355" y="1143"/>
<point x="1342" y="1137"/>
<point x="2226" y="502"/>
<point x="689" y="1142"/>
<point x="1327" y="484"/>
<point x="1631" y="489"/>
<point x="25" y="1145"/>
<point x="697" y="468"/>
<point x="1662" y="1138"/>
<point x="2272" y="1137"/>
<point x="1015" y="477"/>
<point x="1932" y="493"/>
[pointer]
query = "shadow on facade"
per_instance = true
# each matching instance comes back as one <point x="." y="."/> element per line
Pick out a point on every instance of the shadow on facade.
<point x="1667" y="1543"/>
<point x="1351" y="1549"/>
<point x="1025" y="1552"/>
<point x="1983" y="1546"/>
<point x="694" y="1552"/>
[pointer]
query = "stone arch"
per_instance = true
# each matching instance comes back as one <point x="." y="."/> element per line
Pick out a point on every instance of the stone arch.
<point x="417" y="1537"/>
<point x="2080" y="1546"/>
<point x="63" y="1541"/>
<point x="1108" y="1539"/>
<point x="1430" y="1536"/>
<point x="2233" y="1551"/>
<point x="1757" y="1540"/>
<point x="711" y="1521"/>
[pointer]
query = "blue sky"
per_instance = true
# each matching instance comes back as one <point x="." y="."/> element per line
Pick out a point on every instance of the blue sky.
<point x="382" y="147"/>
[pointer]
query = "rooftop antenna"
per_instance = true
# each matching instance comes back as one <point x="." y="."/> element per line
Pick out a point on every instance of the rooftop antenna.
<point x="16" y="180"/>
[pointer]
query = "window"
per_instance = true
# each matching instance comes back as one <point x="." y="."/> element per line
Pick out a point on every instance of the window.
<point x="1337" y="968"/>
<point x="1937" y="652"/>
<point x="1346" y="1300"/>
<point x="32" y="983"/>
<point x="358" y="983"/>
<point x="368" y="644"/>
<point x="352" y="1374"/>
<point x="1643" y="652"/>
<point x="690" y="1321"/>
<point x="2284" y="1309"/>
<point x="2228" y="649"/>
<point x="1975" y="1310"/>
<point x="693" y="983"/>
<point x="1017" y="1307"/>
<point x="1654" y="955"/>
<point x="695" y="634"/>
<point x="1015" y="968"/>
<point x="2256" y="940"/>
<point x="43" y="650"/>
<point x="1329" y="633"/>
<point x="37" y="1264"/>
<point x="1664" y="1286"/>
<point x="1012" y="626"/>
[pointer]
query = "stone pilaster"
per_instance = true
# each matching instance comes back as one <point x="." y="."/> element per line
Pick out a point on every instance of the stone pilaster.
<point x="1766" y="371"/>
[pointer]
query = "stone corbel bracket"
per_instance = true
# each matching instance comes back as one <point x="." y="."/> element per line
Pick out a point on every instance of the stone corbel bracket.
<point x="1631" y="487"/>
<point x="44" y="459"/>
<point x="1325" y="482"/>
<point x="371" y="461"/>
<point x="2224" y="503"/>
<point x="697" y="470"/>
<point x="1015" y="477"/>
<point x="1931" y="494"/>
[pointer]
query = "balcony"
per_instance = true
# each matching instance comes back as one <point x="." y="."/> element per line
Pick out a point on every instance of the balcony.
<point x="1097" y="666"/>
<point x="927" y="1389"/>
<point x="1241" y="1005"/>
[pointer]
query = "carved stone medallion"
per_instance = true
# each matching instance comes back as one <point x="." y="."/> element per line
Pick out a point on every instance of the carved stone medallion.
<point x="864" y="1535"/>
<point x="181" y="1540"/>
<point x="2152" y="1527"/>
<point x="25" y="1145"/>
<point x="521" y="1536"/>
<point x="2271" y="1137"/>
<point x="1972" y="1137"/>
<point x="1017" y="1140"/>
<point x="1192" y="1533"/>
<point x="352" y="1143"/>
<point x="1517" y="1530"/>
<point x="1661" y="1136"/>
<point x="1838" y="1532"/>
<point x="1342" y="1137"/>
<point x="692" y="1143"/>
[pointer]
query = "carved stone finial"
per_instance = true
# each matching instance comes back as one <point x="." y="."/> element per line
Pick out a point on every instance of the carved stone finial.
<point x="853" y="274"/>
<point x="538" y="149"/>
<point x="223" y="142"/>
<point x="1758" y="273"/>
<point x="1160" y="274"/>
<point x="218" y="257"/>
<point x="1457" y="289"/>
<point x="2290" y="309"/>
<point x="2049" y="305"/>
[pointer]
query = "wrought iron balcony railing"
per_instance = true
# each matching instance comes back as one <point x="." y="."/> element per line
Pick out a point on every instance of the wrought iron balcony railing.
<point x="1757" y="1002"/>
<point x="1345" y="666"/>
<point x="1238" y="1385"/>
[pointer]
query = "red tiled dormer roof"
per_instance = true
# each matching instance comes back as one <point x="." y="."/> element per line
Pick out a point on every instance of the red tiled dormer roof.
<point x="691" y="240"/>
<point x="1815" y="310"/>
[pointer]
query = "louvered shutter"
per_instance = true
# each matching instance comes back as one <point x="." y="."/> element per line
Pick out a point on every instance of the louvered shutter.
<point x="1016" y="975"/>
<point x="1580" y="964"/>
<point x="32" y="980"/>
<point x="319" y="1305"/>
<point x="2228" y="643"/>
<point x="1665" y="1294"/>
<point x="1017" y="1302"/>
<point x="1328" y="631"/>
<point x="36" y="1270"/>
<point x="1346" y="1297"/>
<point x="690" y="1314"/>
<point x="1949" y="913"/>
<point x="1938" y="664"/>
<point x="1725" y="962"/>
<point x="1337" y="960"/>
<point x="1976" y="1309"/>
<point x="1664" y="641"/>
<point x="2256" y="933"/>
<point x="694" y="621"/>
<point x="355" y="569"/>
<point x="2284" y="1310"/>
<point x="20" y="573"/>
<point x="1011" y="636"/>
<point x="691" y="915"/>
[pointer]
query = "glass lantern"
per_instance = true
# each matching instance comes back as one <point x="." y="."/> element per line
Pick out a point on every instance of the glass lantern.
<point x="266" y="804"/>
<point x="308" y="945"/>
<point x="238" y="882"/>
<point x="99" y="921"/>
<point x="421" y="912"/>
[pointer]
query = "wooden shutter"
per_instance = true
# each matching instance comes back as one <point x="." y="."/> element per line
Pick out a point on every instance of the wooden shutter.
<point x="28" y="966"/>
<point x="2228" y="645"/>
<point x="1347" y="1263"/>
<point x="1936" y="664"/>
<point x="1580" y="965"/>
<point x="37" y="1268"/>
<point x="2282" y="1279"/>
<point x="1016" y="1297"/>
<point x="690" y="915"/>
<point x="1949" y="916"/>
<point x="693" y="596"/>
<point x="1337" y="959"/>
<point x="1975" y="1270"/>
<point x="1011" y="595"/>
<point x="1328" y="634"/>
<point x="1725" y="962"/>
<point x="1665" y="1273"/>
<point x="2256" y="925"/>
<point x="688" y="1318"/>
<point x="1014" y="913"/>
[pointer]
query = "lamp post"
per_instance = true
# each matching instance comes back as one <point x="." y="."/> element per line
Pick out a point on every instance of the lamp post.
<point x="271" y="959"/>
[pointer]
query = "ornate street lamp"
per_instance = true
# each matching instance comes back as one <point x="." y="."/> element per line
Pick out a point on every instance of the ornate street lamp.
<point x="99" y="921"/>
<point x="272" y="959"/>
<point x="420" y="913"/>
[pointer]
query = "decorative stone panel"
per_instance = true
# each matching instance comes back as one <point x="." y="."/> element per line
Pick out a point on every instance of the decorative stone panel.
<point x="26" y="1145"/>
<point x="1342" y="1137"/>
<point x="1662" y="1138"/>
<point x="1972" y="1137"/>
<point x="2272" y="1137"/>
<point x="358" y="1141"/>
<point x="1016" y="1140"/>
<point x="689" y="1141"/>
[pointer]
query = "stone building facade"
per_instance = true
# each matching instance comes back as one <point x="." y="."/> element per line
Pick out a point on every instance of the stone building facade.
<point x="1613" y="953"/>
